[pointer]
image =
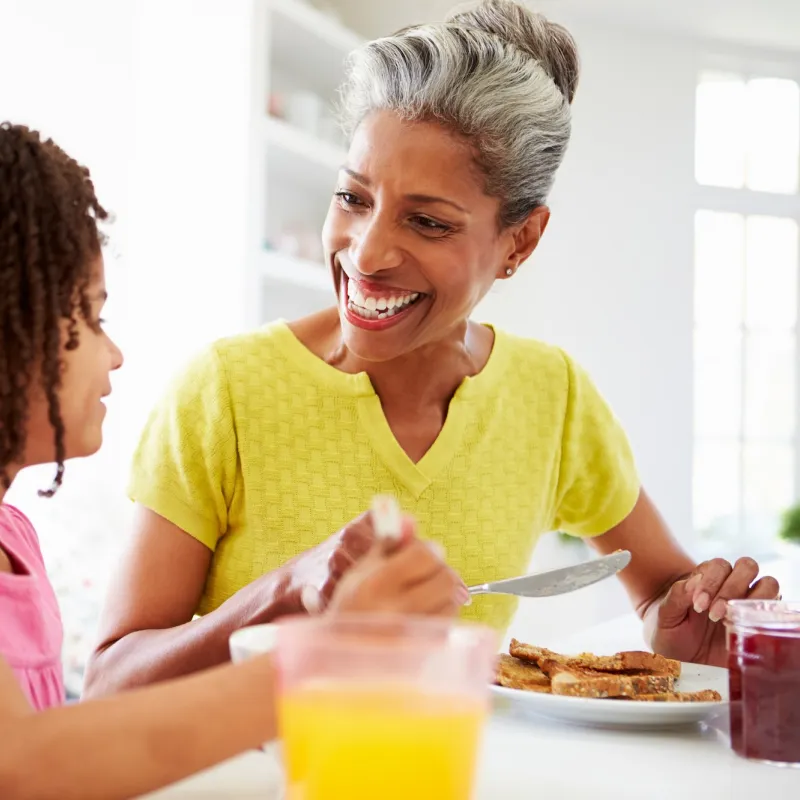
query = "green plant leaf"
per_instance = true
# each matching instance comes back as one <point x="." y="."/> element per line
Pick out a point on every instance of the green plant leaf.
<point x="790" y="524"/>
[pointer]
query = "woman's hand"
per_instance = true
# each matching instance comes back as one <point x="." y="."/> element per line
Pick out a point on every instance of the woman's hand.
<point x="409" y="578"/>
<point x="686" y="623"/>
<point x="315" y="573"/>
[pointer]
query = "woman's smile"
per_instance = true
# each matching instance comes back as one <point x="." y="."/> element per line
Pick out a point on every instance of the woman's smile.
<point x="375" y="306"/>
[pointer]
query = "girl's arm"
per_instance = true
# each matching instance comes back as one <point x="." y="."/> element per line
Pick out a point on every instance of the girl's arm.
<point x="136" y="742"/>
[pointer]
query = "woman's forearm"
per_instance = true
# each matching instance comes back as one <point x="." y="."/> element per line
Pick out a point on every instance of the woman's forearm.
<point x="144" y="657"/>
<point x="131" y="744"/>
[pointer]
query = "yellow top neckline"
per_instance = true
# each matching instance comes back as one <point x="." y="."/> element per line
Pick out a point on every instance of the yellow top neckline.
<point x="359" y="384"/>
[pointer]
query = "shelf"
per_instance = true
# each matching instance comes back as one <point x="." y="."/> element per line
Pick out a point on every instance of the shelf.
<point x="298" y="144"/>
<point x="296" y="272"/>
<point x="309" y="44"/>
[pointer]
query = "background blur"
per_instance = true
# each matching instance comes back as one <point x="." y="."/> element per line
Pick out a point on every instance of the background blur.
<point x="669" y="268"/>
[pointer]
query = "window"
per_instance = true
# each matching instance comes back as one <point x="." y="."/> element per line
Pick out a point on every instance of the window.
<point x="747" y="133"/>
<point x="747" y="258"/>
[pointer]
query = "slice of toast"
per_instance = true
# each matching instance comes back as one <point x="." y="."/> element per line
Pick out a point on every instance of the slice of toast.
<point x="582" y="682"/>
<point x="624" y="662"/>
<point x="703" y="696"/>
<point x="515" y="674"/>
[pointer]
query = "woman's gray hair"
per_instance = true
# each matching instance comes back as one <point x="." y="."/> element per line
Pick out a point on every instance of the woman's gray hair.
<point x="495" y="73"/>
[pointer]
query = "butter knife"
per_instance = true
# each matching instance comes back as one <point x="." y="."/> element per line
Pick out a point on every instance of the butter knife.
<point x="558" y="581"/>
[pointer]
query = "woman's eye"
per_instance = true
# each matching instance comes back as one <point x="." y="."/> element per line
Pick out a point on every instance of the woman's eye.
<point x="431" y="224"/>
<point x="348" y="198"/>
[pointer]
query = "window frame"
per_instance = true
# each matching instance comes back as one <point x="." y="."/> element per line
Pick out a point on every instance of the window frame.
<point x="747" y="202"/>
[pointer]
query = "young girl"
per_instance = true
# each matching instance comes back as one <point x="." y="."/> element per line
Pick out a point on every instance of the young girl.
<point x="55" y="363"/>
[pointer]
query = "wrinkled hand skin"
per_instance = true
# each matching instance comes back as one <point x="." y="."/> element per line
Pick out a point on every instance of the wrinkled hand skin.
<point x="321" y="568"/>
<point x="686" y="624"/>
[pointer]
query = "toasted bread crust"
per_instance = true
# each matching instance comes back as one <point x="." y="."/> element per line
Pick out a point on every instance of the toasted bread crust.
<point x="566" y="680"/>
<point x="515" y="674"/>
<point x="703" y="696"/>
<point x="626" y="661"/>
<point x="629" y="675"/>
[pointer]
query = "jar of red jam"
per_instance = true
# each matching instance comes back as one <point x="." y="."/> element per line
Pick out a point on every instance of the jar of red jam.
<point x="764" y="673"/>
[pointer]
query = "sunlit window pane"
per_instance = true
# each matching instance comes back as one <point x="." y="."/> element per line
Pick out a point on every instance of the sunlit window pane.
<point x="720" y="130"/>
<point x="717" y="383"/>
<point x="768" y="486"/>
<point x="771" y="296"/>
<point x="716" y="486"/>
<point x="773" y="135"/>
<point x="719" y="258"/>
<point x="769" y="406"/>
<point x="746" y="289"/>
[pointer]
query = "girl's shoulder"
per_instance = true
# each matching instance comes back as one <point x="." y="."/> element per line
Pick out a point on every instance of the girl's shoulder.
<point x="17" y="532"/>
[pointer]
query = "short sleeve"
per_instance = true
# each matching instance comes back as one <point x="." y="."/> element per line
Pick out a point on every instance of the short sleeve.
<point x="185" y="466"/>
<point x="598" y="484"/>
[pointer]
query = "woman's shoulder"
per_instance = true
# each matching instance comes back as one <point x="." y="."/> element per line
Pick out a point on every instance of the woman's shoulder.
<point x="526" y="354"/>
<point x="233" y="358"/>
<point x="270" y="339"/>
<point x="277" y="350"/>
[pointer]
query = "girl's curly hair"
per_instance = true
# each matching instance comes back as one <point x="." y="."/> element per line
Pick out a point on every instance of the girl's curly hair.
<point x="49" y="239"/>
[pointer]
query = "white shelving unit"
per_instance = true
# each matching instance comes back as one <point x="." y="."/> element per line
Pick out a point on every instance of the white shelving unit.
<point x="295" y="271"/>
<point x="297" y="51"/>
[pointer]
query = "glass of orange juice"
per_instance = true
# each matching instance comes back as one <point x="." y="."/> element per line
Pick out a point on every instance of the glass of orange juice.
<point x="382" y="706"/>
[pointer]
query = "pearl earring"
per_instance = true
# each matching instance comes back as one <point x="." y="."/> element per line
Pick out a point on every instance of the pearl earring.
<point x="509" y="272"/>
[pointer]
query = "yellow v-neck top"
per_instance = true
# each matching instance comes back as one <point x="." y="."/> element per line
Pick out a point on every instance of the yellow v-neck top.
<point x="261" y="450"/>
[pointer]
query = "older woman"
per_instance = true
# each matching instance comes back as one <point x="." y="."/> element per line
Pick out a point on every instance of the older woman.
<point x="251" y="467"/>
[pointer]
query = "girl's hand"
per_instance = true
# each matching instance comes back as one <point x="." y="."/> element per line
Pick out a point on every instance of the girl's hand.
<point x="410" y="578"/>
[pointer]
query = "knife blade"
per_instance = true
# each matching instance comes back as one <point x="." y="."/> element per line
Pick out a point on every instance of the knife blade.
<point x="558" y="581"/>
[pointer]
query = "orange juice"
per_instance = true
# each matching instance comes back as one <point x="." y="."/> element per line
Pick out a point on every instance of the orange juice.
<point x="363" y="743"/>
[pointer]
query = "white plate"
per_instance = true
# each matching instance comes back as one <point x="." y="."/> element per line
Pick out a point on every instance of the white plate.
<point x="622" y="713"/>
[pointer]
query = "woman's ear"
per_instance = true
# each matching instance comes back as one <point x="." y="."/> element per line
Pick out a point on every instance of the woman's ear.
<point x="525" y="237"/>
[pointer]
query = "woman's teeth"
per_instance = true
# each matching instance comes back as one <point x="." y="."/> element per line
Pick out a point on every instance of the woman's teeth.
<point x="378" y="307"/>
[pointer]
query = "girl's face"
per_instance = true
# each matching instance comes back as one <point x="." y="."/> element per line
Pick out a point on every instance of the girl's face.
<point x="85" y="381"/>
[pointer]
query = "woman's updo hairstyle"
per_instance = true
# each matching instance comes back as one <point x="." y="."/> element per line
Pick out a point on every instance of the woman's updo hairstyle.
<point x="495" y="73"/>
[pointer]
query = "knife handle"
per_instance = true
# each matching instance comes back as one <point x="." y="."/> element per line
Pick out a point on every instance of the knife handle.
<point x="482" y="589"/>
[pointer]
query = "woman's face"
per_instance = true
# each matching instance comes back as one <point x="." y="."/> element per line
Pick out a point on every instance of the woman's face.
<point x="413" y="239"/>
<point x="85" y="381"/>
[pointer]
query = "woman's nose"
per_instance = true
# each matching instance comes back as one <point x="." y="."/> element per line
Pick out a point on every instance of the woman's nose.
<point x="375" y="250"/>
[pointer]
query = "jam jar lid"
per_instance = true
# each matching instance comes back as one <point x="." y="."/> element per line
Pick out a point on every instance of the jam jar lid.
<point x="780" y="617"/>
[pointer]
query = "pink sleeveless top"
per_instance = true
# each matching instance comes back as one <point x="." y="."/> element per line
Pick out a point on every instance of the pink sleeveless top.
<point x="31" y="633"/>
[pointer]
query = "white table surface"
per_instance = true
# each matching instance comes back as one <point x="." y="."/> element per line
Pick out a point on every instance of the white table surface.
<point x="528" y="758"/>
